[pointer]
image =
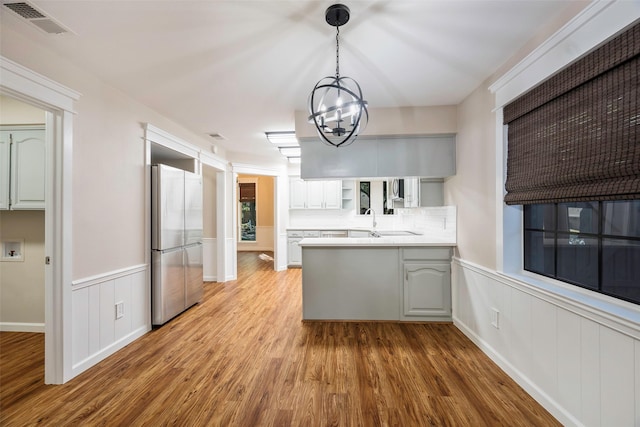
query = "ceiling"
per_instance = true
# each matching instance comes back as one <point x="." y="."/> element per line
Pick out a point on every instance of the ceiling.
<point x="240" y="68"/>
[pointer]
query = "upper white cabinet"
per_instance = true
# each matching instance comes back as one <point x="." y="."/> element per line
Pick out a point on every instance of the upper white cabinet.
<point x="22" y="173"/>
<point x="315" y="194"/>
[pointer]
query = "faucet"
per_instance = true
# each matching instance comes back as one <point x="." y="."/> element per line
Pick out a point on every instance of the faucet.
<point x="374" y="216"/>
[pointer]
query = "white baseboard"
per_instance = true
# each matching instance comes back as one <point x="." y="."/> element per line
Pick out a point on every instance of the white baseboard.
<point x="209" y="278"/>
<point x="92" y="360"/>
<point x="21" y="327"/>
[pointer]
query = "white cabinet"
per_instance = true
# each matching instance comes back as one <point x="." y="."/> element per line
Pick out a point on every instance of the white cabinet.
<point x="5" y="172"/>
<point x="332" y="194"/>
<point x="294" y="251"/>
<point x="427" y="289"/>
<point x="426" y="283"/>
<point x="22" y="176"/>
<point x="297" y="193"/>
<point x="315" y="194"/>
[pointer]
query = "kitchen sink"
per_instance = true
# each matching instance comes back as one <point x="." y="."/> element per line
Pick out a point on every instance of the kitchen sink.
<point x="386" y="233"/>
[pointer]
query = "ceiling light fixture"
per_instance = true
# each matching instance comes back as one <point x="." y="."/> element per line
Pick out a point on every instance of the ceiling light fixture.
<point x="336" y="106"/>
<point x="283" y="138"/>
<point x="290" y="151"/>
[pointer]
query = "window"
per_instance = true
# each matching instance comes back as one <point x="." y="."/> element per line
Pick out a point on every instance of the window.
<point x="365" y="196"/>
<point x="595" y="245"/>
<point x="573" y="162"/>
<point x="247" y="212"/>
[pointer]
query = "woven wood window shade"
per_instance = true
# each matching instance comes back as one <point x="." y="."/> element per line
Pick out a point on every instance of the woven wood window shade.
<point x="248" y="192"/>
<point x="575" y="136"/>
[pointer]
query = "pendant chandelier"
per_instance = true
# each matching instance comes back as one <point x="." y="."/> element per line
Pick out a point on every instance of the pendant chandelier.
<point x="336" y="106"/>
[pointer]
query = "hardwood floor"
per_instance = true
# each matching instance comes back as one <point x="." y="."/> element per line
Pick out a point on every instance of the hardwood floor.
<point x="244" y="358"/>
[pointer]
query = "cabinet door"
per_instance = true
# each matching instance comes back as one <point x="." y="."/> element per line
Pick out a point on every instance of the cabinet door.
<point x="315" y="194"/>
<point x="427" y="289"/>
<point x="332" y="194"/>
<point x="297" y="193"/>
<point x="27" y="169"/>
<point x="294" y="252"/>
<point x="4" y="170"/>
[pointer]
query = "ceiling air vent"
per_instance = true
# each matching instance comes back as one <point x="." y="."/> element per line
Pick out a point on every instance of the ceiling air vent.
<point x="37" y="18"/>
<point x="217" y="136"/>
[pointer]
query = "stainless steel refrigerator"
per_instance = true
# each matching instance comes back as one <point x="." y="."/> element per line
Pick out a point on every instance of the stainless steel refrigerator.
<point x="176" y="242"/>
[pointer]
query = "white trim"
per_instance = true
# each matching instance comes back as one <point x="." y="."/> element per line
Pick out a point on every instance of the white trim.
<point x="609" y="312"/>
<point x="21" y="327"/>
<point x="594" y="24"/>
<point x="247" y="169"/>
<point x="58" y="101"/>
<point x="158" y="136"/>
<point x="213" y="161"/>
<point x="111" y="275"/>
<point x="21" y="81"/>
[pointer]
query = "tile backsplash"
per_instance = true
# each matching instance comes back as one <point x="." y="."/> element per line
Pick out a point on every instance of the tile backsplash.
<point x="436" y="221"/>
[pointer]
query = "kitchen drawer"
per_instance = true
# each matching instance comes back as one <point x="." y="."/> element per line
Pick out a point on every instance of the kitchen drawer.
<point x="334" y="233"/>
<point x="434" y="253"/>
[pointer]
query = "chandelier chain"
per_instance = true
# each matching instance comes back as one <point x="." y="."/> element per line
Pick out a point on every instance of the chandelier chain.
<point x="337" y="52"/>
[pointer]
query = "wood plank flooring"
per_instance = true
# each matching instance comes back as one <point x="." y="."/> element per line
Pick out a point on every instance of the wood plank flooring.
<point x="244" y="358"/>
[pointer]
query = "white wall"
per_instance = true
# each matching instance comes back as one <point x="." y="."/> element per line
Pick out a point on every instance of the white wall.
<point x="576" y="353"/>
<point x="22" y="283"/>
<point x="472" y="189"/>
<point x="108" y="204"/>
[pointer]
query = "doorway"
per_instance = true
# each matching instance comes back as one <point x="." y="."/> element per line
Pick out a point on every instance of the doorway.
<point x="255" y="206"/>
<point x="58" y="102"/>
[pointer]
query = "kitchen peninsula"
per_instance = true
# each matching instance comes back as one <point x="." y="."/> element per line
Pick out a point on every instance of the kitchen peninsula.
<point x="389" y="278"/>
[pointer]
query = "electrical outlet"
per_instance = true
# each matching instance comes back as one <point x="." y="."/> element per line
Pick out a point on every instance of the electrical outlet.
<point x="119" y="310"/>
<point x="495" y="318"/>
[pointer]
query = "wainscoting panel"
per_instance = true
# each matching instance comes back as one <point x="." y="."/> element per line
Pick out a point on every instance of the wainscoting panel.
<point x="96" y="331"/>
<point x="581" y="364"/>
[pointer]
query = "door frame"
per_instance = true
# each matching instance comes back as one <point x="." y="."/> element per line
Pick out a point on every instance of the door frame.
<point x="280" y="197"/>
<point x="58" y="102"/>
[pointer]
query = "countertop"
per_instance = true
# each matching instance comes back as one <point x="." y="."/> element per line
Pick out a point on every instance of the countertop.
<point x="386" y="241"/>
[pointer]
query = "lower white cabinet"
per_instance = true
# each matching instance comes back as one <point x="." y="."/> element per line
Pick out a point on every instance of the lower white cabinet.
<point x="22" y="168"/>
<point x="294" y="251"/>
<point x="427" y="289"/>
<point x="426" y="283"/>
